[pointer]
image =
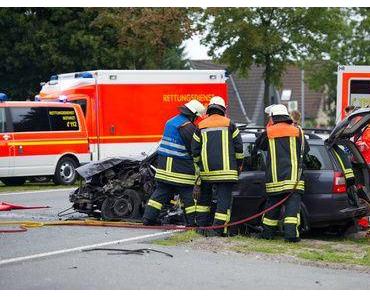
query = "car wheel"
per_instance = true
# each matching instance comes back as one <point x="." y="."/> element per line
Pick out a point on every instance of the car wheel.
<point x="65" y="172"/>
<point x="125" y="206"/>
<point x="13" y="181"/>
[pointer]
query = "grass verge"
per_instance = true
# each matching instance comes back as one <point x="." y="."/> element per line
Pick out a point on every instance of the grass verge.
<point x="178" y="238"/>
<point x="32" y="187"/>
<point x="332" y="250"/>
<point x="336" y="251"/>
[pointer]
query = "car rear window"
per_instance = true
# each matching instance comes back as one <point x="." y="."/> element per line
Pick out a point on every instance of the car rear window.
<point x="42" y="119"/>
<point x="318" y="158"/>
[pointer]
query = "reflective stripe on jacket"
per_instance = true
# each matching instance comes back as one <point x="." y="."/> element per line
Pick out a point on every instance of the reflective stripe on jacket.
<point x="218" y="149"/>
<point x="284" y="148"/>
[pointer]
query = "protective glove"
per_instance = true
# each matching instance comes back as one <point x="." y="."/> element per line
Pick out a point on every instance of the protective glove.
<point x="196" y="192"/>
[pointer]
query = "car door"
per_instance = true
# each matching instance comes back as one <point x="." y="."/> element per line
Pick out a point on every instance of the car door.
<point x="249" y="193"/>
<point x="6" y="149"/>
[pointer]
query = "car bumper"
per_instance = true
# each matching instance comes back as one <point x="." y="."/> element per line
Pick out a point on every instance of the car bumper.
<point x="327" y="210"/>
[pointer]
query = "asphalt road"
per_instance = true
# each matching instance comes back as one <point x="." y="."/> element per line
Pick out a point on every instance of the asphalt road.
<point x="51" y="258"/>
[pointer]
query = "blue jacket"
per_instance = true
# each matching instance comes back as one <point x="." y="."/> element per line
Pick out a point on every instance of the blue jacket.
<point x="172" y="144"/>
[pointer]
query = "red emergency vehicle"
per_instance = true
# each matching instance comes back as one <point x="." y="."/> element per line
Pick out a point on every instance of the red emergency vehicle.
<point x="353" y="88"/>
<point x="41" y="139"/>
<point x="126" y="110"/>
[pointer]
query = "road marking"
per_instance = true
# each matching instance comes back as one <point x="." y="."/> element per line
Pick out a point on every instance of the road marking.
<point x="76" y="249"/>
<point x="36" y="191"/>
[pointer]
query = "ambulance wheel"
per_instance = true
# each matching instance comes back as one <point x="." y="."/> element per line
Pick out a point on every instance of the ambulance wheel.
<point x="65" y="172"/>
<point x="125" y="206"/>
<point x="13" y="181"/>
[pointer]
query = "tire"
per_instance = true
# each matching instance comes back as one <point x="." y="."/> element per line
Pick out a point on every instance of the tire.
<point x="65" y="172"/>
<point x="13" y="181"/>
<point x="126" y="206"/>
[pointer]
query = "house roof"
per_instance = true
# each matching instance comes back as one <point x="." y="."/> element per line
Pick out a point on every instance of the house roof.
<point x="247" y="92"/>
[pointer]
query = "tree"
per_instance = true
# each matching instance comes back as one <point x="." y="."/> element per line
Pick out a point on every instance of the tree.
<point x="151" y="37"/>
<point x="269" y="37"/>
<point x="350" y="47"/>
<point x="38" y="42"/>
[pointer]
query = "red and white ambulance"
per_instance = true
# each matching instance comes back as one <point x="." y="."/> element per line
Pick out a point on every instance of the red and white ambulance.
<point x="126" y="110"/>
<point x="41" y="139"/>
<point x="353" y="88"/>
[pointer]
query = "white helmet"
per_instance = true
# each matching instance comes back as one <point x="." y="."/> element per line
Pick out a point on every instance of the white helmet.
<point x="268" y="109"/>
<point x="217" y="100"/>
<point x="278" y="109"/>
<point x="196" y="107"/>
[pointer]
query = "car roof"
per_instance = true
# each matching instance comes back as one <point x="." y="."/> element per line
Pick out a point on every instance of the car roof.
<point x="34" y="104"/>
<point x="251" y="137"/>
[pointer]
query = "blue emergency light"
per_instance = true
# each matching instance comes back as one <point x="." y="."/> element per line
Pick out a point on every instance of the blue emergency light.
<point x="83" y="75"/>
<point x="54" y="77"/>
<point x="3" y="97"/>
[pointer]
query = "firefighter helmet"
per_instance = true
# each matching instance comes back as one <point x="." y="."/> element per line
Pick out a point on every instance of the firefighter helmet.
<point x="268" y="109"/>
<point x="217" y="102"/>
<point x="278" y="110"/>
<point x="196" y="107"/>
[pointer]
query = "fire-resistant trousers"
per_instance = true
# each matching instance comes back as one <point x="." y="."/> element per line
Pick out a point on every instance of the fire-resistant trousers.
<point x="216" y="195"/>
<point x="292" y="218"/>
<point x="163" y="194"/>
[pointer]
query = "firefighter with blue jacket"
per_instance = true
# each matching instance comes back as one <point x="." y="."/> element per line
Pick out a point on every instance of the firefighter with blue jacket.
<point x="175" y="173"/>
<point x="283" y="141"/>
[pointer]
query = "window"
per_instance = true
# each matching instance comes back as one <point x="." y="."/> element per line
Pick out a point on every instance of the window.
<point x="2" y="120"/>
<point x="318" y="158"/>
<point x="256" y="164"/>
<point x="63" y="119"/>
<point x="30" y="119"/>
<point x="82" y="103"/>
<point x="360" y="93"/>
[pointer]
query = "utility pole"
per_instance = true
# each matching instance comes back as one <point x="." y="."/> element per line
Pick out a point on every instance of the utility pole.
<point x="302" y="96"/>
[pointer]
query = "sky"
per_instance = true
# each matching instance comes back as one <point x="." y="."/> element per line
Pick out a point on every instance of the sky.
<point x="194" y="50"/>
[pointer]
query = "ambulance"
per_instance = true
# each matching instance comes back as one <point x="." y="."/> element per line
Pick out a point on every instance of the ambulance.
<point x="353" y="88"/>
<point x="41" y="139"/>
<point x="126" y="110"/>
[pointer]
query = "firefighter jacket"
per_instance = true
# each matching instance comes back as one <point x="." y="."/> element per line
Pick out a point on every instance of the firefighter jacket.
<point x="175" y="164"/>
<point x="282" y="141"/>
<point x="217" y="148"/>
<point x="345" y="164"/>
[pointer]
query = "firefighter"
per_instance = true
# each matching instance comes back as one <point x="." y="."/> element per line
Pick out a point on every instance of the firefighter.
<point x="282" y="141"/>
<point x="175" y="173"/>
<point x="218" y="152"/>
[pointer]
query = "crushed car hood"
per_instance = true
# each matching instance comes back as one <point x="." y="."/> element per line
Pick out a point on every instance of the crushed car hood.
<point x="89" y="170"/>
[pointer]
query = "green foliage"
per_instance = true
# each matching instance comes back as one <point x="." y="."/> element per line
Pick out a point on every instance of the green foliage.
<point x="38" y="42"/>
<point x="350" y="47"/>
<point x="269" y="37"/>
